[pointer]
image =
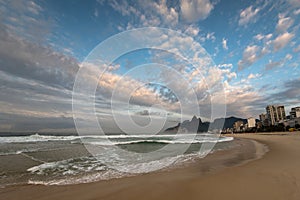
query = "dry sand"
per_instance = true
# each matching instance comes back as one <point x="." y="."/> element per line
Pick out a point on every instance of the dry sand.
<point x="239" y="173"/>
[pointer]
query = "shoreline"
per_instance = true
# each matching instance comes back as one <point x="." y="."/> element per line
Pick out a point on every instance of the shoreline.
<point x="242" y="153"/>
<point x="241" y="173"/>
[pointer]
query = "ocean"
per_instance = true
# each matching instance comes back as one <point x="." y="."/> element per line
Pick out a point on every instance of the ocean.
<point x="60" y="160"/>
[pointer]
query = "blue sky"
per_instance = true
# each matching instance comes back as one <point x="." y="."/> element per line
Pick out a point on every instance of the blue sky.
<point x="254" y="44"/>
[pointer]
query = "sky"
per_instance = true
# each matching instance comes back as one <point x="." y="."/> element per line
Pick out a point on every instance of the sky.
<point x="249" y="49"/>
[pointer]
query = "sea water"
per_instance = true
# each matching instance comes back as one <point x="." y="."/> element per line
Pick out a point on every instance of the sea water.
<point x="59" y="160"/>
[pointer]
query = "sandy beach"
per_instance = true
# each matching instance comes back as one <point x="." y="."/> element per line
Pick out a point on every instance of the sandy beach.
<point x="243" y="172"/>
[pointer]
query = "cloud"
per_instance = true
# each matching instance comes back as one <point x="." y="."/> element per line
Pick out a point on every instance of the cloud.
<point x="284" y="23"/>
<point x="250" y="55"/>
<point x="248" y="15"/>
<point x="297" y="49"/>
<point x="225" y="70"/>
<point x="242" y="99"/>
<point x="294" y="3"/>
<point x="225" y="66"/>
<point x="208" y="36"/>
<point x="288" y="57"/>
<point x="96" y="12"/>
<point x="260" y="37"/>
<point x="224" y="44"/>
<point x="290" y="91"/>
<point x="37" y="124"/>
<point x="32" y="61"/>
<point x="124" y="8"/>
<point x="32" y="25"/>
<point x="36" y="83"/>
<point x="195" y="10"/>
<point x="150" y="13"/>
<point x="282" y="40"/>
<point x="273" y="64"/>
<point x="297" y="12"/>
<point x="169" y="15"/>
<point x="34" y="8"/>
<point x="252" y="76"/>
<point x="192" y="31"/>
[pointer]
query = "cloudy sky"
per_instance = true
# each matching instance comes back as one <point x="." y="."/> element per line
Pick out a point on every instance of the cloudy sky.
<point x="251" y="47"/>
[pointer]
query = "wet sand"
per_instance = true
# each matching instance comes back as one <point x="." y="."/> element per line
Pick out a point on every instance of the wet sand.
<point x="243" y="172"/>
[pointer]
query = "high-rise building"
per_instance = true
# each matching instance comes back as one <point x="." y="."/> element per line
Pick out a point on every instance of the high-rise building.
<point x="264" y="119"/>
<point x="295" y="112"/>
<point x="238" y="126"/>
<point x="275" y="113"/>
<point x="251" y="122"/>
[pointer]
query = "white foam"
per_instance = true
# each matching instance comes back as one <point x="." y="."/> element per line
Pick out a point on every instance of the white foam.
<point x="181" y="138"/>
<point x="35" y="138"/>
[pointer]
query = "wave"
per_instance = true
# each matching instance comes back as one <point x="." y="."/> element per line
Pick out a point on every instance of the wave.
<point x="91" y="169"/>
<point x="119" y="139"/>
<point x="145" y="141"/>
<point x="35" y="138"/>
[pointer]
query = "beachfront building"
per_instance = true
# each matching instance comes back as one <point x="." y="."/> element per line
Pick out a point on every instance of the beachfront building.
<point x="238" y="126"/>
<point x="264" y="119"/>
<point x="251" y="122"/>
<point x="275" y="114"/>
<point x="295" y="112"/>
<point x="292" y="123"/>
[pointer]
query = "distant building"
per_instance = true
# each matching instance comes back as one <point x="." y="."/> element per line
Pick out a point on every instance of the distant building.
<point x="259" y="125"/>
<point x="293" y="123"/>
<point x="251" y="122"/>
<point x="264" y="119"/>
<point x="275" y="113"/>
<point x="295" y="113"/>
<point x="238" y="126"/>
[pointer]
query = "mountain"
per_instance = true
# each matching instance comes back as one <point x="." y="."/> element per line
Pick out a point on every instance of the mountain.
<point x="196" y="124"/>
<point x="228" y="122"/>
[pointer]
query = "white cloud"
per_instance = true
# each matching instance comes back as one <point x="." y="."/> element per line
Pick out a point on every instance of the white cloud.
<point x="192" y="31"/>
<point x="208" y="36"/>
<point x="33" y="7"/>
<point x="150" y="13"/>
<point x="211" y="36"/>
<point x="252" y="76"/>
<point x="295" y="3"/>
<point x="269" y="36"/>
<point x="224" y="44"/>
<point x="225" y="70"/>
<point x="195" y="10"/>
<point x="273" y="64"/>
<point x="297" y="12"/>
<point x="248" y="15"/>
<point x="169" y="15"/>
<point x="297" y="49"/>
<point x="288" y="57"/>
<point x="124" y="8"/>
<point x="263" y="37"/>
<point x="259" y="37"/>
<point x="250" y="55"/>
<point x="225" y="66"/>
<point x="32" y="16"/>
<point x="241" y="99"/>
<point x="284" y="23"/>
<point x="96" y="13"/>
<point x="282" y="40"/>
<point x="157" y="13"/>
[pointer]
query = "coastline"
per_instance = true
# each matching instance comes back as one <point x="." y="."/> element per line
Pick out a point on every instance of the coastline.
<point x="242" y="152"/>
<point x="238" y="173"/>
